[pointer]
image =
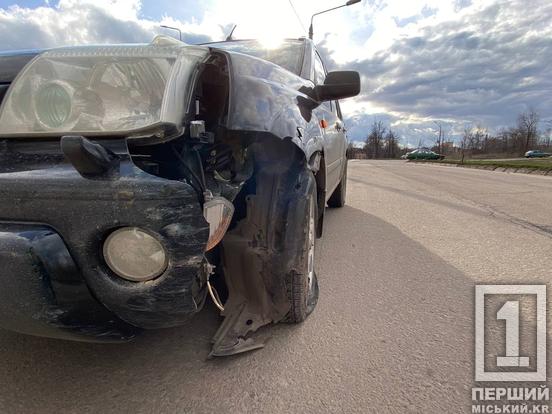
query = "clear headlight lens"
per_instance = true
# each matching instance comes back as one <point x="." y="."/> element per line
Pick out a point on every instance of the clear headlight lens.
<point x="107" y="90"/>
<point x="134" y="254"/>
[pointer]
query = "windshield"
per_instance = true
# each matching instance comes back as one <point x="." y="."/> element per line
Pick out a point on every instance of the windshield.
<point x="288" y="54"/>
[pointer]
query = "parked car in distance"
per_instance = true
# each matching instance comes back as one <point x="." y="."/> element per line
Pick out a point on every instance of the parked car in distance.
<point x="537" y="154"/>
<point x="424" y="154"/>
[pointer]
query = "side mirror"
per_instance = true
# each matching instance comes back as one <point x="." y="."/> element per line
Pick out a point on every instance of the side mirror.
<point x="338" y="85"/>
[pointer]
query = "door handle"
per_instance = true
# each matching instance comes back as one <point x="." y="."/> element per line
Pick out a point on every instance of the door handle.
<point x="338" y="126"/>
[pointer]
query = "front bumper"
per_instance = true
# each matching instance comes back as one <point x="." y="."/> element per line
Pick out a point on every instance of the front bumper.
<point x="53" y="222"/>
<point x="40" y="294"/>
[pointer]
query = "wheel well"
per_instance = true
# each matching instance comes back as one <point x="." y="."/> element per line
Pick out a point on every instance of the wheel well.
<point x="265" y="248"/>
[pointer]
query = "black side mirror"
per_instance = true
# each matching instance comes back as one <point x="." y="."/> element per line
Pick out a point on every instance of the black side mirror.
<point x="338" y="85"/>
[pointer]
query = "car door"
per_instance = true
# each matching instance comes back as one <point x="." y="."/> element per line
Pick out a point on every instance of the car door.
<point x="332" y="130"/>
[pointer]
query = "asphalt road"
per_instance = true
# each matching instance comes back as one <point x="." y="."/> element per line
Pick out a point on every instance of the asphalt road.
<point x="393" y="331"/>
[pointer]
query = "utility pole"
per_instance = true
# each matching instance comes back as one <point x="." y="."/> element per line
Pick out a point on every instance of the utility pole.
<point x="440" y="139"/>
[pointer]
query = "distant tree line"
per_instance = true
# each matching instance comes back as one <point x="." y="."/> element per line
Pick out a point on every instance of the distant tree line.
<point x="512" y="141"/>
<point x="383" y="142"/>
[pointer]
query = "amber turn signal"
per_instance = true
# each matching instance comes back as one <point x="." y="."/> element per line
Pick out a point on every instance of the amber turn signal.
<point x="218" y="212"/>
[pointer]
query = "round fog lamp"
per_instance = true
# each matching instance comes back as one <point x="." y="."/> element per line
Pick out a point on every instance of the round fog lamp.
<point x="134" y="254"/>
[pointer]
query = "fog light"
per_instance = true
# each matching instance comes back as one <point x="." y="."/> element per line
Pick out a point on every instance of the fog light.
<point x="134" y="254"/>
<point x="218" y="212"/>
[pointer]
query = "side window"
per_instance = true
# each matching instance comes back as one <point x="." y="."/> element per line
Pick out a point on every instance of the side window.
<point x="319" y="76"/>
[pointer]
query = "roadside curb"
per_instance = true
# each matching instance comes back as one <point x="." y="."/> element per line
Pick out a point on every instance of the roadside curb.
<point x="532" y="171"/>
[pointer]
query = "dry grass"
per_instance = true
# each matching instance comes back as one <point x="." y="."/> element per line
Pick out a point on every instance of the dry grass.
<point x="536" y="164"/>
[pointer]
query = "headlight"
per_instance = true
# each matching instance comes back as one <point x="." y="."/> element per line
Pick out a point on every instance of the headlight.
<point x="53" y="105"/>
<point x="134" y="254"/>
<point x="108" y="90"/>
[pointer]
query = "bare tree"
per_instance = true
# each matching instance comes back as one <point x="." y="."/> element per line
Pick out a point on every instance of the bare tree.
<point x="467" y="141"/>
<point x="374" y="141"/>
<point x="528" y="127"/>
<point x="479" y="139"/>
<point x="391" y="144"/>
<point x="547" y="138"/>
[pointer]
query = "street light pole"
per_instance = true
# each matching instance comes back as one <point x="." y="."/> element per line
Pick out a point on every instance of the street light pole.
<point x="349" y="3"/>
<point x="174" y="28"/>
<point x="440" y="126"/>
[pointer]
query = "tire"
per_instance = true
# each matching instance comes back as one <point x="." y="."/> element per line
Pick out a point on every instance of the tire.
<point x="302" y="285"/>
<point x="339" y="195"/>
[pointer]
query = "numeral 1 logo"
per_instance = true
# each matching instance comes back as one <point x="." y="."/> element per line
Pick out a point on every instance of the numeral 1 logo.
<point x="509" y="312"/>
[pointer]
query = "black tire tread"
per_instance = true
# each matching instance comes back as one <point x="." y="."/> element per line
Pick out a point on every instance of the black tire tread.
<point x="297" y="289"/>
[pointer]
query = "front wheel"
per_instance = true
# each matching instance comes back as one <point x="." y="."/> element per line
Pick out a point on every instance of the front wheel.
<point x="303" y="284"/>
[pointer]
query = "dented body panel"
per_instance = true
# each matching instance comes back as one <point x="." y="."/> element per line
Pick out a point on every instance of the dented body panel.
<point x="271" y="101"/>
<point x="266" y="98"/>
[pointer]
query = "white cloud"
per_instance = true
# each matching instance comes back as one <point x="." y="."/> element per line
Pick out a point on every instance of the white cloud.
<point x="119" y="9"/>
<point x="74" y="22"/>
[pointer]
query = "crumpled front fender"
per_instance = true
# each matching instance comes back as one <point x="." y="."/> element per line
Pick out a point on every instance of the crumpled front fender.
<point x="266" y="98"/>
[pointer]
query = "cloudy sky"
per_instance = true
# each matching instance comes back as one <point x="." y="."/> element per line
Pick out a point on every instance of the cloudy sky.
<point x="460" y="62"/>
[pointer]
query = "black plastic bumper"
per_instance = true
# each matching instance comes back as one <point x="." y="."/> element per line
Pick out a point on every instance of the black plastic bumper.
<point x="52" y="274"/>
<point x="41" y="293"/>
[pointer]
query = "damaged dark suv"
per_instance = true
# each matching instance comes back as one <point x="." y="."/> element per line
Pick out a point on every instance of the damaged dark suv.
<point x="135" y="179"/>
